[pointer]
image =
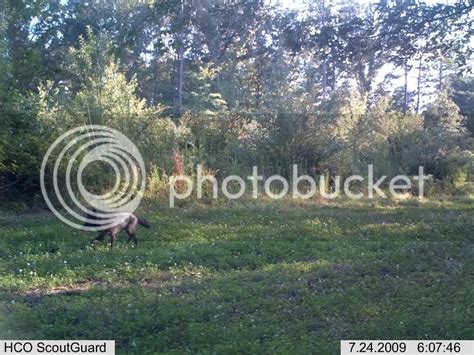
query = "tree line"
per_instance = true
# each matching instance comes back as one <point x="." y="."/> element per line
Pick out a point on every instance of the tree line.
<point x="331" y="86"/>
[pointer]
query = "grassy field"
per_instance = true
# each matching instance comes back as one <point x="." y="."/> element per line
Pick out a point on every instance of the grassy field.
<point x="276" y="278"/>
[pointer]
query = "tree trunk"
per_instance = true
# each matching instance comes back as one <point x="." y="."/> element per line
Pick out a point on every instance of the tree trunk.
<point x="180" y="79"/>
<point x="405" y="91"/>
<point x="440" y="78"/>
<point x="325" y="79"/>
<point x="333" y="84"/>
<point x="181" y="63"/>
<point x="418" y="84"/>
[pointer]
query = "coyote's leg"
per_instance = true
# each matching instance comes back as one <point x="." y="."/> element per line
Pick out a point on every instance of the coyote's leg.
<point x="97" y="239"/>
<point x="131" y="236"/>
<point x="112" y="240"/>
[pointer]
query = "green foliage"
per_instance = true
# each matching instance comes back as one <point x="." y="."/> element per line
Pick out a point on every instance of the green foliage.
<point x="106" y="97"/>
<point x="443" y="117"/>
<point x="462" y="93"/>
<point x="21" y="145"/>
<point x="460" y="171"/>
<point x="234" y="85"/>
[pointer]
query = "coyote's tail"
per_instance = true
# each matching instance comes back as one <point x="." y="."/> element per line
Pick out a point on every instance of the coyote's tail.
<point x="143" y="222"/>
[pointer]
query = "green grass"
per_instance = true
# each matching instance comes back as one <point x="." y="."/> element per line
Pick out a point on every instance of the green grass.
<point x="276" y="278"/>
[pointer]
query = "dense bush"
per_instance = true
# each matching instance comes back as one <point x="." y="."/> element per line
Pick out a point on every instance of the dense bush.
<point x="342" y="135"/>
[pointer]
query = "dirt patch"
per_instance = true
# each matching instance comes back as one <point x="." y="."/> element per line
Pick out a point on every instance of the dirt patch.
<point x="62" y="290"/>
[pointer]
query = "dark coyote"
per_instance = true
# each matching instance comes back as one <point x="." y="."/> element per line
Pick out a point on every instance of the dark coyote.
<point x="127" y="221"/>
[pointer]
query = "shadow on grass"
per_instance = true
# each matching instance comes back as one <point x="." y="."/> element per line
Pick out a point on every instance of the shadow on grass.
<point x="295" y="307"/>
